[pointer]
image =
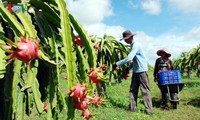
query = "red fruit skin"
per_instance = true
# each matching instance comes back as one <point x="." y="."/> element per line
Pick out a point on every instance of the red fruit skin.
<point x="125" y="76"/>
<point x="82" y="105"/>
<point x="86" y="114"/>
<point x="103" y="66"/>
<point x="95" y="75"/>
<point x="26" y="50"/>
<point x="77" y="92"/>
<point x="78" y="41"/>
<point x="96" y="101"/>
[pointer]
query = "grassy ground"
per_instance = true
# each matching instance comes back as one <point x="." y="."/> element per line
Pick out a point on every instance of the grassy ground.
<point x="118" y="100"/>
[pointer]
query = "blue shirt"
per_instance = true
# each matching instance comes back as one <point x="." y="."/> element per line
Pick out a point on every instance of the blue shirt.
<point x="136" y="54"/>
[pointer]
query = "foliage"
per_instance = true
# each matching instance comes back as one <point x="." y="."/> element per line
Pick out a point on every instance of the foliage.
<point x="188" y="60"/>
<point x="109" y="52"/>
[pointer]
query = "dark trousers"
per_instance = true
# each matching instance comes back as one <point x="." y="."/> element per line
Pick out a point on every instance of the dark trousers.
<point x="140" y="80"/>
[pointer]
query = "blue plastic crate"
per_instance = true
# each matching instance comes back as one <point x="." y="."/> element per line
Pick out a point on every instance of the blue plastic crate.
<point x="169" y="77"/>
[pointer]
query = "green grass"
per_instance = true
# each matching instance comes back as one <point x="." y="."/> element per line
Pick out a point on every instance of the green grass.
<point x="118" y="100"/>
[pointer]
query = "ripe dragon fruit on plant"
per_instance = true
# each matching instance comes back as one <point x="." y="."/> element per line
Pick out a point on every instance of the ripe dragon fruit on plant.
<point x="82" y="105"/>
<point x="95" y="75"/>
<point x="103" y="66"/>
<point x="77" y="92"/>
<point x="78" y="40"/>
<point x="86" y="114"/>
<point x="25" y="50"/>
<point x="96" y="100"/>
<point x="125" y="75"/>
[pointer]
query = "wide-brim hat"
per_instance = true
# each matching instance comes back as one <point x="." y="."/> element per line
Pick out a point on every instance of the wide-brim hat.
<point x="164" y="50"/>
<point x="127" y="34"/>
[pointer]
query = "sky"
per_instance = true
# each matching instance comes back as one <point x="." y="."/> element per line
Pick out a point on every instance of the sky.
<point x="171" y="24"/>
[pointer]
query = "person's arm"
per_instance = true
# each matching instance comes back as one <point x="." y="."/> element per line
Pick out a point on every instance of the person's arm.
<point x="171" y="65"/>
<point x="130" y="56"/>
<point x="156" y="69"/>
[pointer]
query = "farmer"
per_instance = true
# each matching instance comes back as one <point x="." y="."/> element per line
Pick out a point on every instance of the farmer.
<point x="139" y="76"/>
<point x="163" y="63"/>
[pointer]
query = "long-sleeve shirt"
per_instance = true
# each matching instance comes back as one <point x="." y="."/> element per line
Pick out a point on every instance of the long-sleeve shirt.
<point x="136" y="54"/>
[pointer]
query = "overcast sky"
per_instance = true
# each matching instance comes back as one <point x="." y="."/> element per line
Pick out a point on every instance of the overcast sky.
<point x="174" y="24"/>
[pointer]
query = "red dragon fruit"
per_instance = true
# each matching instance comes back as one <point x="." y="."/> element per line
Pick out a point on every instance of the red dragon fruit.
<point x="103" y="66"/>
<point x="78" y="41"/>
<point x="26" y="50"/>
<point x="125" y="75"/>
<point x="86" y="114"/>
<point x="96" y="100"/>
<point x="82" y="105"/>
<point x="95" y="75"/>
<point x="77" y="92"/>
